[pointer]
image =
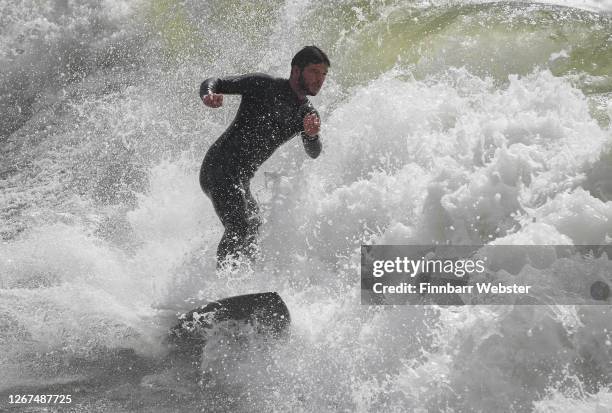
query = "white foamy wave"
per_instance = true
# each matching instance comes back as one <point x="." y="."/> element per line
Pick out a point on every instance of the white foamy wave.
<point x="577" y="402"/>
<point x="108" y="235"/>
<point x="476" y="160"/>
<point x="591" y="5"/>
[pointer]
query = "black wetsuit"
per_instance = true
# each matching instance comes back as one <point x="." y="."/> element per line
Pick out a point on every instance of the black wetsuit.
<point x="269" y="115"/>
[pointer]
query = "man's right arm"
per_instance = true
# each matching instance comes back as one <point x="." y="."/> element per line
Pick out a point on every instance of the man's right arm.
<point x="235" y="85"/>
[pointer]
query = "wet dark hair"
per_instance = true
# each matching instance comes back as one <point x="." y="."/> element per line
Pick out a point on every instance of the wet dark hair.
<point x="309" y="55"/>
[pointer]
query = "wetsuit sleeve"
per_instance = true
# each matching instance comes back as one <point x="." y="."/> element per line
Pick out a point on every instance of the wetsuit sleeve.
<point x="312" y="144"/>
<point x="236" y="85"/>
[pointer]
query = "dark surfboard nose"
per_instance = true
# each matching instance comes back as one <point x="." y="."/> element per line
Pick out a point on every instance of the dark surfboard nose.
<point x="267" y="311"/>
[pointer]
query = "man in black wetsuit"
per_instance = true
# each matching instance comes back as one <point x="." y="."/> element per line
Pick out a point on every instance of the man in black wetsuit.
<point x="271" y="112"/>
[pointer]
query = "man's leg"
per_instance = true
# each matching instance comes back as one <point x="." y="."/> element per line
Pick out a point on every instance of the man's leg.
<point x="237" y="210"/>
<point x="254" y="220"/>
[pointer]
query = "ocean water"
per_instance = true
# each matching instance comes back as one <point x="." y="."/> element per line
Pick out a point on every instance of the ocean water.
<point x="458" y="122"/>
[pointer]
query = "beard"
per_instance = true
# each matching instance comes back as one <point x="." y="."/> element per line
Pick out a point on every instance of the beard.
<point x="304" y="86"/>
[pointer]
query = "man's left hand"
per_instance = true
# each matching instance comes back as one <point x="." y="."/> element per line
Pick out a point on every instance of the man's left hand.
<point x="312" y="124"/>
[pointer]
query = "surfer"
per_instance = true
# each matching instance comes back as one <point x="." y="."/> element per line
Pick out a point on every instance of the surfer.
<point x="271" y="112"/>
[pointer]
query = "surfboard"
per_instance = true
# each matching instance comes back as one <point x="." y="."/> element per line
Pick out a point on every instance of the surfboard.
<point x="266" y="311"/>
